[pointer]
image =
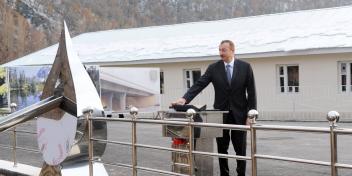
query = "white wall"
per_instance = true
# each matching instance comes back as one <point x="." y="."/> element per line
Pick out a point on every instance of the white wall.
<point x="174" y="82"/>
<point x="318" y="84"/>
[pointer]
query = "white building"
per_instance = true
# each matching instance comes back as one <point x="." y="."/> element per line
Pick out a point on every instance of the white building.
<point x="302" y="60"/>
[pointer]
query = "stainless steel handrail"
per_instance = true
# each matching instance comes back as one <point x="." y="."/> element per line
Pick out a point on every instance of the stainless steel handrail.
<point x="333" y="130"/>
<point x="13" y="132"/>
<point x="253" y="127"/>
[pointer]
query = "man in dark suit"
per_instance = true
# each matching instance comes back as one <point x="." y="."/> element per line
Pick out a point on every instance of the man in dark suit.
<point x="234" y="87"/>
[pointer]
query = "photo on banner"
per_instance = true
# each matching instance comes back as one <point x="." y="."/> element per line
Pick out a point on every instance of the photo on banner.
<point x="119" y="87"/>
<point x="4" y="104"/>
<point x="26" y="84"/>
<point x="123" y="87"/>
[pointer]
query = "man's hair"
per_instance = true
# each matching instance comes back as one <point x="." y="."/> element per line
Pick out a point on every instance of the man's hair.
<point x="232" y="45"/>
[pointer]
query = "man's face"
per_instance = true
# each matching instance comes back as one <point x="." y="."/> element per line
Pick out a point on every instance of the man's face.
<point x="225" y="52"/>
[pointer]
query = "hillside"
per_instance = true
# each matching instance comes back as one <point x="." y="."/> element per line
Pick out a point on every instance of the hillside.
<point x="29" y="25"/>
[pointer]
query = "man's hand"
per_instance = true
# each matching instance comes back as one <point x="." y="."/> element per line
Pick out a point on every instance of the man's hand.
<point x="180" y="101"/>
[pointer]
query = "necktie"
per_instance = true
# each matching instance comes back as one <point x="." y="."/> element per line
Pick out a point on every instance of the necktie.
<point x="228" y="73"/>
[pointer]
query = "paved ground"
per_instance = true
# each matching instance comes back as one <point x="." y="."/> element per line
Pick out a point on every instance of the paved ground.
<point x="289" y="144"/>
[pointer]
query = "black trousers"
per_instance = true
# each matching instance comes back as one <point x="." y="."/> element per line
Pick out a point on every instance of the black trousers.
<point x="239" y="142"/>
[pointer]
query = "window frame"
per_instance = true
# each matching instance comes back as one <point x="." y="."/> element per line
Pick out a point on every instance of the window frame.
<point x="348" y="76"/>
<point x="190" y="79"/>
<point x="284" y="76"/>
<point x="162" y="82"/>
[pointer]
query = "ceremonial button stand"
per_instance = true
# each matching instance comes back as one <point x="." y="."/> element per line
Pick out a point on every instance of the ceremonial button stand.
<point x="203" y="139"/>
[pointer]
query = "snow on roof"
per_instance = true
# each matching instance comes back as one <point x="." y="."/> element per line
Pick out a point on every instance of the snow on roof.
<point x="283" y="32"/>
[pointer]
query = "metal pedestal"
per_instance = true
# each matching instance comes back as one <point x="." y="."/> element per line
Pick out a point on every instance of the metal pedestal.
<point x="203" y="141"/>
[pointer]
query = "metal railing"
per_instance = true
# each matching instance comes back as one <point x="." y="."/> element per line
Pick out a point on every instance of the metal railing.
<point x="332" y="116"/>
<point x="13" y="132"/>
<point x="333" y="131"/>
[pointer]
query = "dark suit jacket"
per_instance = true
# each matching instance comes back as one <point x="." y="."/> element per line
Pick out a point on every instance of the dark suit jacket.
<point x="239" y="97"/>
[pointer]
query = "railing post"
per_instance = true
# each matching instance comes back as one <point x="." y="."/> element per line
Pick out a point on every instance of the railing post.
<point x="88" y="114"/>
<point x="333" y="117"/>
<point x="253" y="115"/>
<point x="13" y="107"/>
<point x="134" y="112"/>
<point x="190" y="114"/>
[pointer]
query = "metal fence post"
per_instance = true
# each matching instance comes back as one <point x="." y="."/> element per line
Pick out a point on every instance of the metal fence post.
<point x="253" y="115"/>
<point x="333" y="117"/>
<point x="88" y="114"/>
<point x="190" y="114"/>
<point x="134" y="112"/>
<point x="13" y="107"/>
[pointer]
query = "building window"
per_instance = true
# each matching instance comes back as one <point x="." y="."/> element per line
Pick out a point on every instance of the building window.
<point x="162" y="82"/>
<point x="191" y="76"/>
<point x="288" y="78"/>
<point x="345" y="70"/>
